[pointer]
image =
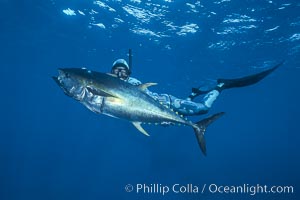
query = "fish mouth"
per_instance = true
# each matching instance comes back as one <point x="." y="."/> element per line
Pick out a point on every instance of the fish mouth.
<point x="69" y="84"/>
<point x="61" y="75"/>
<point x="55" y="78"/>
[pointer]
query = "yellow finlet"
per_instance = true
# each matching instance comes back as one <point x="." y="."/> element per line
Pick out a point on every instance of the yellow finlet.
<point x="146" y="85"/>
<point x="140" y="128"/>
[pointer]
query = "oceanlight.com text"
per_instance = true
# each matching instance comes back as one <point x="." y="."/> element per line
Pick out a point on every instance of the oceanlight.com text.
<point x="163" y="189"/>
<point x="250" y="189"/>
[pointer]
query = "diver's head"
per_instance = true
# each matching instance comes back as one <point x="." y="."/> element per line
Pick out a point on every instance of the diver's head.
<point x="121" y="69"/>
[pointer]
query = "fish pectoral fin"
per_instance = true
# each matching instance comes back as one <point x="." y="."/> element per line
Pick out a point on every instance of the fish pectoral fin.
<point x="99" y="92"/>
<point x="140" y="128"/>
<point x="144" y="86"/>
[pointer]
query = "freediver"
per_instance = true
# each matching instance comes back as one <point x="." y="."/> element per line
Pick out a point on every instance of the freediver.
<point x="188" y="106"/>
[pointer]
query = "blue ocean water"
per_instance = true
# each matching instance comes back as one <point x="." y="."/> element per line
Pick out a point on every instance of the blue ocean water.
<point x="51" y="147"/>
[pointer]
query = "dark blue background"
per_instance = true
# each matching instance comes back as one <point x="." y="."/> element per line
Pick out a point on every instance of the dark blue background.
<point x="51" y="147"/>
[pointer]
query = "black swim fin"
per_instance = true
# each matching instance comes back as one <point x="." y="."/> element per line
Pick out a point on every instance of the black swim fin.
<point x="247" y="80"/>
<point x="232" y="83"/>
<point x="196" y="92"/>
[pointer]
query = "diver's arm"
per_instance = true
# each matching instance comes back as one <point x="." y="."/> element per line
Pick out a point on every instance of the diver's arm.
<point x="133" y="81"/>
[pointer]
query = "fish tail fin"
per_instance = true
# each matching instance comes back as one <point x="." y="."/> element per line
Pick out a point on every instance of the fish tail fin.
<point x="200" y="128"/>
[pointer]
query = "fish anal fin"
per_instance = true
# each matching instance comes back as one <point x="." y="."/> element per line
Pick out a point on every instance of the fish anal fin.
<point x="144" y="86"/>
<point x="140" y="128"/>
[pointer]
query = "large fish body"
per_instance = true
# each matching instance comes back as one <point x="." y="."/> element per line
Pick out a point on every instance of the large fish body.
<point x="106" y="94"/>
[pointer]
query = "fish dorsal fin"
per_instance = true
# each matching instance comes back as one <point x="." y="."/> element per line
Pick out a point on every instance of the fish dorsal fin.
<point x="99" y="92"/>
<point x="140" y="128"/>
<point x="113" y="75"/>
<point x="144" y="86"/>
